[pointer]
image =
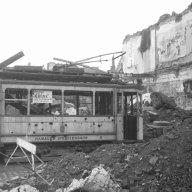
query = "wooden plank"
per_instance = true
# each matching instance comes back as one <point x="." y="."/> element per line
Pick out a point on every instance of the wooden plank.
<point x="161" y="123"/>
<point x="26" y="145"/>
<point x="11" y="60"/>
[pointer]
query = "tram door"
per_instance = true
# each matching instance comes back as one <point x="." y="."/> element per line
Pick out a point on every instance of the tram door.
<point x="130" y="116"/>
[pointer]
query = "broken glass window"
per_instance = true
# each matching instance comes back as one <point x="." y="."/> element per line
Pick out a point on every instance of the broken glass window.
<point x="78" y="103"/>
<point x="103" y="103"/>
<point x="16" y="101"/>
<point x="45" y="102"/>
<point x="131" y="104"/>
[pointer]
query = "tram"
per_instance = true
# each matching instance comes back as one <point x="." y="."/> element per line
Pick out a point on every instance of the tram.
<point x="47" y="107"/>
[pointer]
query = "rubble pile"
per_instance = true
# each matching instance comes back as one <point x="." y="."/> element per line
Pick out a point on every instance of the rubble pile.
<point x="164" y="114"/>
<point x="160" y="100"/>
<point x="162" y="164"/>
<point x="174" y="116"/>
<point x="97" y="180"/>
<point x="24" y="188"/>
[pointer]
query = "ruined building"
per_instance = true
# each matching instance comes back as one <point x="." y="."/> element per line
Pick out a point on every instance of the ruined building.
<point x="162" y="55"/>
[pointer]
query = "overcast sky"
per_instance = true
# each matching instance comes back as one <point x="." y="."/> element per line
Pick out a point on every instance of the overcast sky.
<point x="74" y="29"/>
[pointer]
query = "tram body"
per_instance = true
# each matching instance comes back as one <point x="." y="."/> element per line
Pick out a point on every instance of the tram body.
<point x="59" y="112"/>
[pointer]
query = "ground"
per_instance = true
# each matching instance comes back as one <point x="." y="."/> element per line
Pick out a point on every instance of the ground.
<point x="157" y="164"/>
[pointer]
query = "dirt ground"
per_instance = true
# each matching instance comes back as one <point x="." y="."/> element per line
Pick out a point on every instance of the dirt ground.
<point x="161" y="164"/>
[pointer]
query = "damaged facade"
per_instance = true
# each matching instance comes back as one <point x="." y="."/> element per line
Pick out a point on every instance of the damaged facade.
<point x="163" y="50"/>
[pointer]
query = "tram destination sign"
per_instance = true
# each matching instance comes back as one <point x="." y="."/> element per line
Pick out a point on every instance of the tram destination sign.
<point x="42" y="96"/>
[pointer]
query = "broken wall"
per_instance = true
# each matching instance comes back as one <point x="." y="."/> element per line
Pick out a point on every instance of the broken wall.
<point x="174" y="40"/>
<point x="169" y="57"/>
<point x="136" y="61"/>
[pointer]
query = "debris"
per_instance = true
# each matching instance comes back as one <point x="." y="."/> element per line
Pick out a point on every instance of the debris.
<point x="1" y="184"/>
<point x="98" y="180"/>
<point x="76" y="184"/>
<point x="162" y="123"/>
<point x="153" y="160"/>
<point x="1" y="190"/>
<point x="154" y="165"/>
<point x="15" y="178"/>
<point x="170" y="136"/>
<point x="149" y="170"/>
<point x="24" y="188"/>
<point x="160" y="100"/>
<point x="128" y="158"/>
<point x="31" y="180"/>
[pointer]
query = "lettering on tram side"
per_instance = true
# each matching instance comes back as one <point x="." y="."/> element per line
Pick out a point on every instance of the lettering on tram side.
<point x="43" y="138"/>
<point x="61" y="138"/>
<point x="71" y="138"/>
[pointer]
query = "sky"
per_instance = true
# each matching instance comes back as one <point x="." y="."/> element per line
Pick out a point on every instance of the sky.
<point x="74" y="29"/>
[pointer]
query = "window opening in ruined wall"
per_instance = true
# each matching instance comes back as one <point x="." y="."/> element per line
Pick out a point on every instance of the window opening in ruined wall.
<point x="16" y="101"/>
<point x="103" y="103"/>
<point x="78" y="103"/>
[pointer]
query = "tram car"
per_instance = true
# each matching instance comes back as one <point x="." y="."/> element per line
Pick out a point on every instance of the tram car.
<point x="51" y="107"/>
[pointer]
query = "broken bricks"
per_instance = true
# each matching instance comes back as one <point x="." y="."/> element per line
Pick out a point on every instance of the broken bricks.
<point x="99" y="180"/>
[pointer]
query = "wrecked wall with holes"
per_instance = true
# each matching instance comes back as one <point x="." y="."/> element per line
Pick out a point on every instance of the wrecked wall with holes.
<point x="174" y="40"/>
<point x="165" y="50"/>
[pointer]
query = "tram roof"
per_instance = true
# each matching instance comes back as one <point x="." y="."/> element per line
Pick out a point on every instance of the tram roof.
<point x="62" y="78"/>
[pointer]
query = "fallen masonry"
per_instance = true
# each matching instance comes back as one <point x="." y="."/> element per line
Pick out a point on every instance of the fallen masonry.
<point x="98" y="180"/>
<point x="24" y="188"/>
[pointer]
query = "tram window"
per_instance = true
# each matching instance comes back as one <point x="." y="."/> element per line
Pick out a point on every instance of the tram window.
<point x="78" y="103"/>
<point x="103" y="103"/>
<point x="119" y="103"/>
<point x="70" y="104"/>
<point x="131" y="104"/>
<point x="45" y="102"/>
<point x="15" y="101"/>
